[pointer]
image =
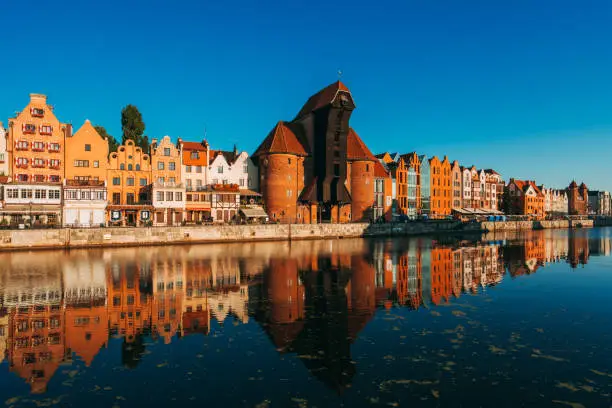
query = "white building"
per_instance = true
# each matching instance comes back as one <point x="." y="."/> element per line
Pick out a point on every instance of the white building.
<point x="555" y="201"/>
<point x="4" y="161"/>
<point x="31" y="204"/>
<point x="169" y="196"/>
<point x="232" y="168"/>
<point x="600" y="203"/>
<point x="84" y="203"/>
<point x="466" y="187"/>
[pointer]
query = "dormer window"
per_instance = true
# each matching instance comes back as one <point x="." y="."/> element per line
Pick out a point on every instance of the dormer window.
<point x="28" y="128"/>
<point x="166" y="151"/>
<point x="37" y="112"/>
<point x="195" y="155"/>
<point x="46" y="129"/>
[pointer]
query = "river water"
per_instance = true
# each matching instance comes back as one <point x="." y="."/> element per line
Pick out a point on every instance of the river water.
<point x="511" y="320"/>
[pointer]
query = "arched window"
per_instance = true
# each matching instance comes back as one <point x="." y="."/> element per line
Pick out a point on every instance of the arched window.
<point x="130" y="167"/>
<point x="138" y="167"/>
<point x="122" y="166"/>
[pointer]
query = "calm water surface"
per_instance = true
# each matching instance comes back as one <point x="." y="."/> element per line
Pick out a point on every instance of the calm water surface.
<point x="500" y="321"/>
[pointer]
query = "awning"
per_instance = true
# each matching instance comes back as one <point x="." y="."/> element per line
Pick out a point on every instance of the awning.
<point x="26" y="209"/>
<point x="249" y="193"/>
<point x="254" y="212"/>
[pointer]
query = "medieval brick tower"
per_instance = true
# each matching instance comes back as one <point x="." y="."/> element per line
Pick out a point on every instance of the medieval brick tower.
<point x="316" y="168"/>
<point x="578" y="199"/>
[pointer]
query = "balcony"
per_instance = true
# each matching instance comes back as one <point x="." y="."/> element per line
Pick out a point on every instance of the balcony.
<point x="84" y="183"/>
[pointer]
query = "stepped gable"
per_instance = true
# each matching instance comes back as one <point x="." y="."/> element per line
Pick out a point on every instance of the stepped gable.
<point x="356" y="149"/>
<point x="281" y="140"/>
<point x="324" y="97"/>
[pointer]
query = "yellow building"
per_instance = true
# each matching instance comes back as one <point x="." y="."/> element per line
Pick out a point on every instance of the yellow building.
<point x="129" y="186"/>
<point x="168" y="190"/>
<point x="85" y="178"/>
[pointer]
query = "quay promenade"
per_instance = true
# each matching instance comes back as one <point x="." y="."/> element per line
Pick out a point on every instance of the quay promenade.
<point x="122" y="237"/>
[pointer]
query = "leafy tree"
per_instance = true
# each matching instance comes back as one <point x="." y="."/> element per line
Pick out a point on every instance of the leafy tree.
<point x="112" y="142"/>
<point x="133" y="127"/>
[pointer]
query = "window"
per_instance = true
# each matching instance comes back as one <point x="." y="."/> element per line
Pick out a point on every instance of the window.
<point x="220" y="169"/>
<point x="37" y="112"/>
<point x="159" y="196"/>
<point x="143" y="182"/>
<point x="289" y="193"/>
<point x="241" y="182"/>
<point x="116" y="181"/>
<point x="81" y="163"/>
<point x="46" y="130"/>
<point x="116" y="199"/>
<point x="166" y="151"/>
<point x="21" y="145"/>
<point x="161" y="180"/>
<point x="178" y="196"/>
<point x="172" y="180"/>
<point x="195" y="155"/>
<point x="28" y="128"/>
<point x="172" y="166"/>
<point x="122" y="166"/>
<point x="88" y="148"/>
<point x="130" y="199"/>
<point x="54" y="163"/>
<point x="198" y="169"/>
<point x="198" y="183"/>
<point x="245" y="169"/>
<point x="169" y="195"/>
<point x="130" y="167"/>
<point x="138" y="167"/>
<point x="130" y="181"/>
<point x="188" y="169"/>
<point x="96" y="164"/>
<point x="160" y="166"/>
<point x="38" y="162"/>
<point x="40" y="194"/>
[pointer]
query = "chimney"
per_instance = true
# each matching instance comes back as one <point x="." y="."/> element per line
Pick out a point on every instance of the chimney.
<point x="38" y="98"/>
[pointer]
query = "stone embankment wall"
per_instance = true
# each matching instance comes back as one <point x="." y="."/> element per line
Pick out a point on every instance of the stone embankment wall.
<point x="109" y="237"/>
<point x="529" y="225"/>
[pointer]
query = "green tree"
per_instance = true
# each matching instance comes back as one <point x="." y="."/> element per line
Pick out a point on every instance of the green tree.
<point x="133" y="127"/>
<point x="112" y="142"/>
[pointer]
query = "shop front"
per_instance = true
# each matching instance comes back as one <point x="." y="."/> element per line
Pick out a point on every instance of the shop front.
<point x="128" y="216"/>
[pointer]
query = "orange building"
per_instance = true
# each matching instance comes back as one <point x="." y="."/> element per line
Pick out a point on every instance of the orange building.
<point x="35" y="150"/>
<point x="168" y="189"/>
<point x="440" y="184"/>
<point x="316" y="168"/>
<point x="36" y="143"/>
<point x="129" y="186"/>
<point x="524" y="198"/>
<point x="85" y="178"/>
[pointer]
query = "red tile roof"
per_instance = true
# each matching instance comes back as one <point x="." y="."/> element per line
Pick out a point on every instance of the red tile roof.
<point x="199" y="146"/>
<point x="281" y="140"/>
<point x="380" y="171"/>
<point x="523" y="185"/>
<point x="356" y="149"/>
<point x="322" y="98"/>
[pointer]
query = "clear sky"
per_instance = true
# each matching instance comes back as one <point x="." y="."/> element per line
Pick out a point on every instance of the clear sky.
<point x="522" y="86"/>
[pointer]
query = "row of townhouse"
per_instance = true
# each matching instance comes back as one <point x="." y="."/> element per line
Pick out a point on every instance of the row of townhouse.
<point x="525" y="197"/>
<point x="437" y="188"/>
<point x="50" y="175"/>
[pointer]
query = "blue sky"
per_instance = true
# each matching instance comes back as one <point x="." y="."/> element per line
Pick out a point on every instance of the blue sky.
<point x="522" y="86"/>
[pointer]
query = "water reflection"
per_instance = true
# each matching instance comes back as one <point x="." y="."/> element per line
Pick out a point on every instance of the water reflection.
<point x="311" y="298"/>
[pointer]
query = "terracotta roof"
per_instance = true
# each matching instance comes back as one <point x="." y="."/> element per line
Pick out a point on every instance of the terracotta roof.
<point x="491" y="171"/>
<point x="199" y="146"/>
<point x="524" y="185"/>
<point x="380" y="171"/>
<point x="281" y="140"/>
<point x="356" y="149"/>
<point x="322" y="98"/>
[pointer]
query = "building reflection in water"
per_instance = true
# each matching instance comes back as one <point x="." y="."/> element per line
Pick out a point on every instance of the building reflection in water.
<point x="311" y="298"/>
